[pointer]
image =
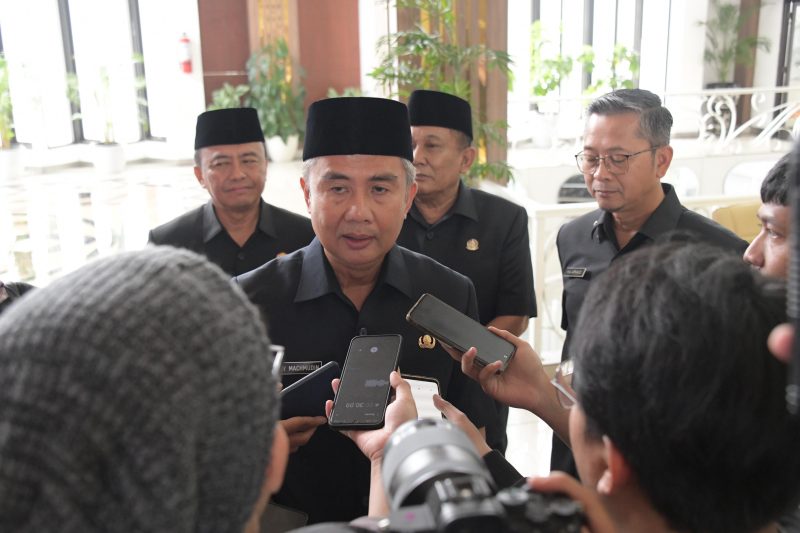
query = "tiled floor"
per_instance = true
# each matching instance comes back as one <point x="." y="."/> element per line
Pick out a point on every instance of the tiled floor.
<point x="52" y="223"/>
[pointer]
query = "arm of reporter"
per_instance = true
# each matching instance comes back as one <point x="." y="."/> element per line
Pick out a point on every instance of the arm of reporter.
<point x="597" y="518"/>
<point x="524" y="384"/>
<point x="300" y="429"/>
<point x="503" y="472"/>
<point x="372" y="442"/>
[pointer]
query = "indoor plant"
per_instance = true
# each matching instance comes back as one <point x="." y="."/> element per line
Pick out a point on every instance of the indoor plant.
<point x="107" y="155"/>
<point x="546" y="74"/>
<point x="422" y="59"/>
<point x="278" y="97"/>
<point x="724" y="48"/>
<point x="9" y="155"/>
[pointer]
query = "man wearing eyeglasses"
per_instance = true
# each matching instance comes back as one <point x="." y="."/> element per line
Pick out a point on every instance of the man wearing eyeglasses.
<point x="625" y="154"/>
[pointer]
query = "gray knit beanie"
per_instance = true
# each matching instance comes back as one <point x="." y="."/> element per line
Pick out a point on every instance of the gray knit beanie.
<point x="135" y="395"/>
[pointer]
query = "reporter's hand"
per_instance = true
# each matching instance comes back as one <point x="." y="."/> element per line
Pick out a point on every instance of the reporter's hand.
<point x="401" y="409"/>
<point x="598" y="520"/>
<point x="523" y="384"/>
<point x="462" y="422"/>
<point x="300" y="429"/>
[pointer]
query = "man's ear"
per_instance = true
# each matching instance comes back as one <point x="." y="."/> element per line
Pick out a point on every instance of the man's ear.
<point x="617" y="473"/>
<point x="198" y="173"/>
<point x="411" y="193"/>
<point x="279" y="457"/>
<point x="306" y="192"/>
<point x="663" y="160"/>
<point x="467" y="158"/>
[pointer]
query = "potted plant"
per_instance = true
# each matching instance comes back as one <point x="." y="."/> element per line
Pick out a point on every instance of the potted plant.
<point x="623" y="69"/>
<point x="724" y="48"/>
<point x="9" y="155"/>
<point x="107" y="155"/>
<point x="278" y="97"/>
<point x="421" y="59"/>
<point x="547" y="73"/>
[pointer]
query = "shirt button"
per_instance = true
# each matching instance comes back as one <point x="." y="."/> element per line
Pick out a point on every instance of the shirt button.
<point x="429" y="235"/>
<point x="240" y="256"/>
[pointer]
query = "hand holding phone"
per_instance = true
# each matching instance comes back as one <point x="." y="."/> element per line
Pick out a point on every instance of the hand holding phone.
<point x="422" y="390"/>
<point x="456" y="329"/>
<point x="364" y="388"/>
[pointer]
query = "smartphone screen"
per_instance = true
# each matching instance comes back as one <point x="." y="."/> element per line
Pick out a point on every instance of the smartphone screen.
<point x="456" y="329"/>
<point x="422" y="390"/>
<point x="364" y="388"/>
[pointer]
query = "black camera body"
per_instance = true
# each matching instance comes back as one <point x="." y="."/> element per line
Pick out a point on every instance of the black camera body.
<point x="436" y="482"/>
<point x="467" y="504"/>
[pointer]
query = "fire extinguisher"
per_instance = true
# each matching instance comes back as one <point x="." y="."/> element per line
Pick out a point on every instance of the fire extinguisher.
<point x="185" y="54"/>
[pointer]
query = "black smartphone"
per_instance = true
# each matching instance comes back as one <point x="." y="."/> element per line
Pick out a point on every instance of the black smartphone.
<point x="364" y="388"/>
<point x="307" y="395"/>
<point x="456" y="329"/>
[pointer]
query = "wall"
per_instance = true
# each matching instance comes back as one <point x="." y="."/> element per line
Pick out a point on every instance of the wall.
<point x="175" y="98"/>
<point x="329" y="46"/>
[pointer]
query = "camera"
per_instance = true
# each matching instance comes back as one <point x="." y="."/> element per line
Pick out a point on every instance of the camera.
<point x="436" y="482"/>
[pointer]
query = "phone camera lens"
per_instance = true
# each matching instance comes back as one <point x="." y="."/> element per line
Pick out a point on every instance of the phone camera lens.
<point x="373" y="349"/>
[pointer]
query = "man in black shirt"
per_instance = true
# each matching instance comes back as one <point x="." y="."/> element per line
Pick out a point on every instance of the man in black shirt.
<point x="236" y="229"/>
<point x="625" y="154"/>
<point x="351" y="280"/>
<point x="478" y="234"/>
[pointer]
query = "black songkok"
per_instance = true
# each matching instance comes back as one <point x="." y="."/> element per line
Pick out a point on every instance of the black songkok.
<point x="357" y="125"/>
<point x="227" y="126"/>
<point x="434" y="108"/>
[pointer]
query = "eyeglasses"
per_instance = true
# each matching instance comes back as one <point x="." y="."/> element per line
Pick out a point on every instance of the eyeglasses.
<point x="277" y="352"/>
<point x="562" y="381"/>
<point x="615" y="163"/>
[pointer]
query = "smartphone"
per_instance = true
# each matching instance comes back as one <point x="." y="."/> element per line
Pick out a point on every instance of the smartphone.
<point x="422" y="390"/>
<point x="364" y="388"/>
<point x="456" y="329"/>
<point x="307" y="395"/>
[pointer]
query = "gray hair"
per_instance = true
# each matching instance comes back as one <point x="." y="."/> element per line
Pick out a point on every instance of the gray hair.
<point x="655" y="120"/>
<point x="408" y="168"/>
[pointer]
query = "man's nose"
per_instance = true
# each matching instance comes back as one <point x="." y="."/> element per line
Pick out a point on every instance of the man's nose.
<point x="359" y="208"/>
<point x="418" y="156"/>
<point x="601" y="171"/>
<point x="754" y="254"/>
<point x="237" y="169"/>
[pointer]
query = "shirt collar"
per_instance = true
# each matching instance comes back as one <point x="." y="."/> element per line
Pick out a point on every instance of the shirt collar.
<point x="464" y="206"/>
<point x="663" y="219"/>
<point x="212" y="226"/>
<point x="318" y="279"/>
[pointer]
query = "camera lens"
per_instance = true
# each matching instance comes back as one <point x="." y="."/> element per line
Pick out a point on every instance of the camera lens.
<point x="373" y="349"/>
<point x="422" y="452"/>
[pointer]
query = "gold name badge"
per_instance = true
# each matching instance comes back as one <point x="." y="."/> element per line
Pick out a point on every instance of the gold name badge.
<point x="473" y="245"/>
<point x="426" y="342"/>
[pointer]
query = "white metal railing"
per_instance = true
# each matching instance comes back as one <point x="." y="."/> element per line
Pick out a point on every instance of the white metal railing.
<point x="709" y="115"/>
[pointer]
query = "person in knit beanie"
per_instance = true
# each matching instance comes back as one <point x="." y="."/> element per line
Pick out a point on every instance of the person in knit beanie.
<point x="136" y="394"/>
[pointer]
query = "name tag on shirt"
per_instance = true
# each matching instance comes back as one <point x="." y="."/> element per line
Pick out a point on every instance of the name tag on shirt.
<point x="575" y="272"/>
<point x="299" y="367"/>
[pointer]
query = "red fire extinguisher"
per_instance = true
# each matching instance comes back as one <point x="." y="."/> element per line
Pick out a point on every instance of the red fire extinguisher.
<point x="185" y="54"/>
